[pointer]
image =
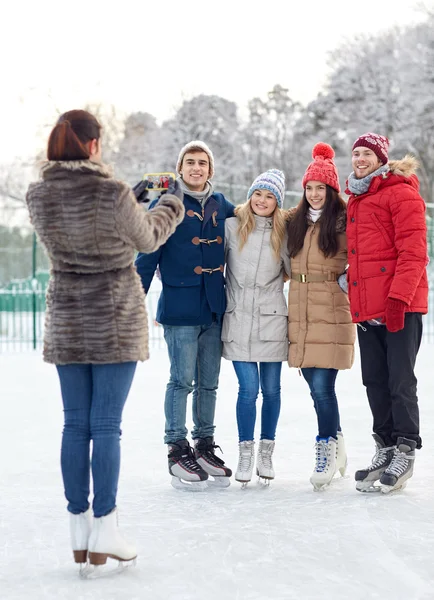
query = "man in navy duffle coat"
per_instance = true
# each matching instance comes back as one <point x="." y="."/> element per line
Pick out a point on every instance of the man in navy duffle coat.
<point x="191" y="308"/>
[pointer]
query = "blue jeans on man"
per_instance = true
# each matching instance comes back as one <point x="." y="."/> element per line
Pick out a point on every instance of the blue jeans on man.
<point x="250" y="377"/>
<point x="195" y="357"/>
<point x="93" y="397"/>
<point x="322" y="389"/>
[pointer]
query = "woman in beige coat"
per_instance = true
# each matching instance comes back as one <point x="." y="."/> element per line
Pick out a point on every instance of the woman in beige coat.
<point x="321" y="333"/>
<point x="255" y="325"/>
<point x="96" y="326"/>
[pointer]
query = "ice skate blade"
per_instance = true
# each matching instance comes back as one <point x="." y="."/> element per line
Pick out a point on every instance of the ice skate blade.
<point x="219" y="482"/>
<point x="244" y="484"/>
<point x="265" y="481"/>
<point x="97" y="571"/>
<point x="368" y="487"/>
<point x="188" y="486"/>
<point x="389" y="489"/>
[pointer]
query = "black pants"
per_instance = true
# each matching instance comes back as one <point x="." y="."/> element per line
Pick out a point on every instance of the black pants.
<point x="388" y="361"/>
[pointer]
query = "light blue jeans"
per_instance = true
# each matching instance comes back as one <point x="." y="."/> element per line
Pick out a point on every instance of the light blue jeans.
<point x="93" y="399"/>
<point x="249" y="378"/>
<point x="195" y="357"/>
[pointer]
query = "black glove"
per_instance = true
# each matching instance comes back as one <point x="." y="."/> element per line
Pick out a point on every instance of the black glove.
<point x="174" y="189"/>
<point x="141" y="192"/>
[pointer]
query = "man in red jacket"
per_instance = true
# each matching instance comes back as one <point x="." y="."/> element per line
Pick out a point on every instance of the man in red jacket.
<point x="388" y="291"/>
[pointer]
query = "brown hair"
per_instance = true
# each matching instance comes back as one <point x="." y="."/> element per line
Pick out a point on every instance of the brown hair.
<point x="71" y="134"/>
<point x="328" y="236"/>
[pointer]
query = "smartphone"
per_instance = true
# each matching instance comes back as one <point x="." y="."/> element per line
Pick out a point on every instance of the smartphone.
<point x="158" y="181"/>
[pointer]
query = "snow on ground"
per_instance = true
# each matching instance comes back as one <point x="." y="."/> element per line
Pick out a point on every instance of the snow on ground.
<point x="283" y="542"/>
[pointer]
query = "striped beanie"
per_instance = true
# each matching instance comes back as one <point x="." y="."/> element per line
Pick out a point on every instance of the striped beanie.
<point x="272" y="180"/>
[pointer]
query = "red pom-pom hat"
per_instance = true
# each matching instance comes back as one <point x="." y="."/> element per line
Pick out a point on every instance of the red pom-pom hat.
<point x="323" y="167"/>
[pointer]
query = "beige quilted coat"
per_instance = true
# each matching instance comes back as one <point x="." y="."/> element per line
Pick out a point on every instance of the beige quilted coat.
<point x="321" y="333"/>
<point x="90" y="225"/>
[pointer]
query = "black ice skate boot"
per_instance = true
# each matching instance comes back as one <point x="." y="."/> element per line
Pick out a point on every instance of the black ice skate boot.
<point x="183" y="467"/>
<point x="366" y="478"/>
<point x="204" y="451"/>
<point x="400" y="468"/>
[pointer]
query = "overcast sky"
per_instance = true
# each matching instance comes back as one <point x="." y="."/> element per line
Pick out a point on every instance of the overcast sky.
<point x="149" y="55"/>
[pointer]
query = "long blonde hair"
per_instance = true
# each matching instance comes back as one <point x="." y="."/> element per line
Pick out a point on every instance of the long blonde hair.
<point x="247" y="223"/>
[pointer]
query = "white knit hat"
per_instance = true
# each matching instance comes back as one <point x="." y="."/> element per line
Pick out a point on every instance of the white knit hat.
<point x="272" y="180"/>
<point x="200" y="146"/>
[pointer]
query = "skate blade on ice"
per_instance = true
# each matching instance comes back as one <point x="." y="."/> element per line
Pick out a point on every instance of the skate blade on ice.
<point x="388" y="489"/>
<point x="189" y="486"/>
<point x="218" y="482"/>
<point x="368" y="487"/>
<point x="107" y="570"/>
<point x="265" y="481"/>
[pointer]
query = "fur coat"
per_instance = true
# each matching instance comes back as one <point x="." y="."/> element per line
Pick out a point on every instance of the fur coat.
<point x="90" y="225"/>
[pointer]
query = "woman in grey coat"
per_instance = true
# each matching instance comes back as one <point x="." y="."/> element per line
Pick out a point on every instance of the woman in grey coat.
<point x="96" y="326"/>
<point x="255" y="325"/>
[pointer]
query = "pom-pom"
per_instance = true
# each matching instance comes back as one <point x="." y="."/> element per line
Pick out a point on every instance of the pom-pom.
<point x="323" y="150"/>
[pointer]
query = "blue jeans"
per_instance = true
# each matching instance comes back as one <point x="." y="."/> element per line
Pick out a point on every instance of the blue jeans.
<point x="322" y="390"/>
<point x="93" y="401"/>
<point x="249" y="378"/>
<point x="195" y="357"/>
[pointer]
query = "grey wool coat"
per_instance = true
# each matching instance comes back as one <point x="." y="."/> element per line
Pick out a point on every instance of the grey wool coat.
<point x="90" y="225"/>
<point x="255" y="325"/>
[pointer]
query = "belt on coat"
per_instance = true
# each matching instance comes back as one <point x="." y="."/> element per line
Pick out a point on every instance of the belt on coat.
<point x="313" y="277"/>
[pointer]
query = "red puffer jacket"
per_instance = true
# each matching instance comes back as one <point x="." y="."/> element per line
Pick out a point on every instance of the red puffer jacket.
<point x="387" y="246"/>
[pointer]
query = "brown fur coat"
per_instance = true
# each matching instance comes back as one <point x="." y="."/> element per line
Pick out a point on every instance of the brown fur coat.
<point x="90" y="225"/>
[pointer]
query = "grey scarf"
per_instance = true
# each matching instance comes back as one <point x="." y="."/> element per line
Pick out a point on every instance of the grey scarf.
<point x="201" y="197"/>
<point x="361" y="186"/>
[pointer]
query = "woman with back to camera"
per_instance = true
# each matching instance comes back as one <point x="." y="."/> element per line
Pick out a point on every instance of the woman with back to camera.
<point x="321" y="332"/>
<point x="96" y="326"/>
<point x="255" y="325"/>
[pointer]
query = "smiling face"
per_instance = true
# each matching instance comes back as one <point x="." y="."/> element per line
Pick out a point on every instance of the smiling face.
<point x="316" y="193"/>
<point x="364" y="162"/>
<point x="263" y="203"/>
<point x="195" y="170"/>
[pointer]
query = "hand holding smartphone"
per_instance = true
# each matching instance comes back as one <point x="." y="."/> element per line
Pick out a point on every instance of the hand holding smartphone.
<point x="158" y="182"/>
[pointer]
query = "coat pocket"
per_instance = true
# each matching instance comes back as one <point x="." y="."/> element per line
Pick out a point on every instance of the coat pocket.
<point x="379" y="225"/>
<point x="229" y="325"/>
<point x="273" y="323"/>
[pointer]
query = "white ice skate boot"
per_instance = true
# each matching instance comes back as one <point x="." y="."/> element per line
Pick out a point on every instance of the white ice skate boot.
<point x="186" y="473"/>
<point x="204" y="452"/>
<point x="400" y="468"/>
<point x="264" y="462"/>
<point x="80" y="526"/>
<point x="341" y="455"/>
<point x="325" y="462"/>
<point x="106" y="541"/>
<point x="366" y="478"/>
<point x="245" y="462"/>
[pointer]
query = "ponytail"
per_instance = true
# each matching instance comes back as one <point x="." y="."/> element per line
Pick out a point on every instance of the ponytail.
<point x="71" y="134"/>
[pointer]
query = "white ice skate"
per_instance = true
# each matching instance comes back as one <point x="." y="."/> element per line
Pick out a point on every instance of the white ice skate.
<point x="341" y="455"/>
<point x="106" y="541"/>
<point x="246" y="460"/>
<point x="80" y="527"/>
<point x="264" y="461"/>
<point x="325" y="463"/>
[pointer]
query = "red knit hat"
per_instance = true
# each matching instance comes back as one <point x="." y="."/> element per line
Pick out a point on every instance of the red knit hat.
<point x="322" y="168"/>
<point x="375" y="142"/>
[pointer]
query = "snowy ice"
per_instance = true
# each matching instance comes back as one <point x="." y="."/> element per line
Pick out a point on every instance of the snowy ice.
<point x="283" y="542"/>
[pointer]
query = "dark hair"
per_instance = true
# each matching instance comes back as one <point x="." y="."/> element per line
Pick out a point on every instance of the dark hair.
<point x="328" y="236"/>
<point x="73" y="130"/>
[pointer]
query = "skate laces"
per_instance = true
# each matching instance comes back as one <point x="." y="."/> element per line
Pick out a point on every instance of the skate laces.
<point x="266" y="452"/>
<point x="321" y="455"/>
<point x="209" y="453"/>
<point x="399" y="463"/>
<point x="187" y="458"/>
<point x="245" y="458"/>
<point x="380" y="458"/>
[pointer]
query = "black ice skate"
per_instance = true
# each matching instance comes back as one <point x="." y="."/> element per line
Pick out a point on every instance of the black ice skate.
<point x="366" y="478"/>
<point x="186" y="472"/>
<point x="204" y="451"/>
<point x="400" y="468"/>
